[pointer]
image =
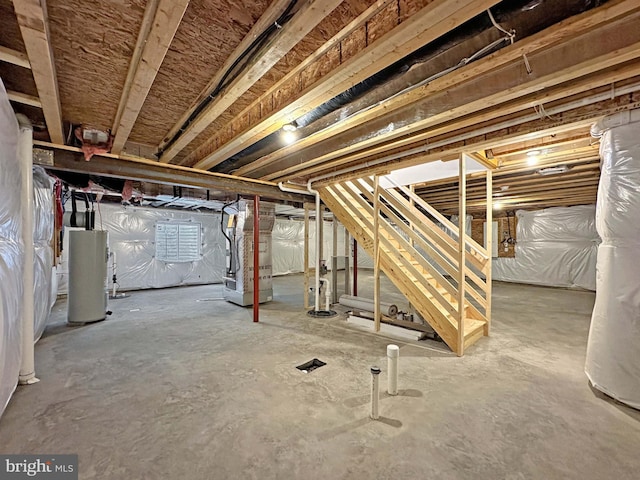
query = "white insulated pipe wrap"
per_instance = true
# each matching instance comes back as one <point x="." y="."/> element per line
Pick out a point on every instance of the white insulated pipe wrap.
<point x="393" y="352"/>
<point x="25" y="154"/>
<point x="375" y="395"/>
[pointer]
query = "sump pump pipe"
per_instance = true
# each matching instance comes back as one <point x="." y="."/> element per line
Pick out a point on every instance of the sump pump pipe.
<point x="327" y="293"/>
<point x="311" y="191"/>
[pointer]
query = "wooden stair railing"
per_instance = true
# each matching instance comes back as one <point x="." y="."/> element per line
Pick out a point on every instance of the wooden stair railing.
<point x="419" y="256"/>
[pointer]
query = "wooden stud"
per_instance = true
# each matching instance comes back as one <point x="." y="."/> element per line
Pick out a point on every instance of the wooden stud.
<point x="306" y="256"/>
<point x="159" y="25"/>
<point x="34" y="26"/>
<point x="462" y="263"/>
<point x="489" y="246"/>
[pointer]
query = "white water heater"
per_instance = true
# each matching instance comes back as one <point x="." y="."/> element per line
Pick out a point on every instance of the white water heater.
<point x="88" y="256"/>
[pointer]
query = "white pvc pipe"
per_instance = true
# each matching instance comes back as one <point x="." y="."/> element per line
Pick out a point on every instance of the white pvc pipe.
<point x="393" y="352"/>
<point x="375" y="396"/>
<point x="327" y="293"/>
<point x="318" y="247"/>
<point x="25" y="156"/>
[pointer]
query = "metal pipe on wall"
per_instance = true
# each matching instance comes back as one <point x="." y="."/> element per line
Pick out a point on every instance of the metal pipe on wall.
<point x="25" y="156"/>
<point x="355" y="268"/>
<point x="256" y="258"/>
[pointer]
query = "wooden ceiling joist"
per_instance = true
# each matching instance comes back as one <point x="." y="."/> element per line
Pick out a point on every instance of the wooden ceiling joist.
<point x="573" y="119"/>
<point x="433" y="21"/>
<point x="34" y="26"/>
<point x="24" y="99"/>
<point x="70" y="159"/>
<point x="269" y="17"/>
<point x="161" y="20"/>
<point x="469" y="97"/>
<point x="507" y="90"/>
<point x="14" y="57"/>
<point x="303" y="21"/>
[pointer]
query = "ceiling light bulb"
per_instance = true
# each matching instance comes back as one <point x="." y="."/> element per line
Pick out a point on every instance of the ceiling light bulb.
<point x="289" y="137"/>
<point x="497" y="206"/>
<point x="532" y="160"/>
<point x="290" y="127"/>
<point x="533" y="153"/>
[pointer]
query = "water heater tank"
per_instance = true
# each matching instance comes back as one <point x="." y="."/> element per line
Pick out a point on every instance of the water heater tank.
<point x="88" y="256"/>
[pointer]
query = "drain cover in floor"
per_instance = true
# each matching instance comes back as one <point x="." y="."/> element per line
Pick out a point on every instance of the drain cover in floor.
<point x="311" y="365"/>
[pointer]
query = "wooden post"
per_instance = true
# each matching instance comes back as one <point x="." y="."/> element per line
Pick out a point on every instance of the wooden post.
<point x="376" y="253"/>
<point x="355" y="268"/>
<point x="256" y="258"/>
<point x="412" y="203"/>
<point x="306" y="256"/>
<point x="462" y="218"/>
<point x="489" y="247"/>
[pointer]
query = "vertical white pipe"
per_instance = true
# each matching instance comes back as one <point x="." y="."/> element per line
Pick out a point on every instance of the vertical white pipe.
<point x="375" y="396"/>
<point x="25" y="154"/>
<point x="316" y="306"/>
<point x="114" y="266"/>
<point x="393" y="352"/>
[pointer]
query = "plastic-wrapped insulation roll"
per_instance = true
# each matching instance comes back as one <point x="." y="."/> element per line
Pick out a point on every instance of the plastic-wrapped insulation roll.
<point x="613" y="348"/>
<point x="366" y="304"/>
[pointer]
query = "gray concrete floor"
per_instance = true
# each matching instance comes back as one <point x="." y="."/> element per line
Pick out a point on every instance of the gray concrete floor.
<point x="180" y="385"/>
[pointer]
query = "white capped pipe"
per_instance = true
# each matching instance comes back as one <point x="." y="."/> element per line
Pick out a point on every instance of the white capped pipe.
<point x="393" y="352"/>
<point x="375" y="396"/>
<point x="25" y="156"/>
<point x="114" y="267"/>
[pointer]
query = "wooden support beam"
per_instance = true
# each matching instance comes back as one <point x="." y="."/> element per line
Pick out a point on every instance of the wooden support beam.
<point x="24" y="99"/>
<point x="14" y="57"/>
<point x="309" y="15"/>
<point x="71" y="159"/>
<point x="34" y="26"/>
<point x="434" y="20"/>
<point x="159" y="25"/>
<point x="462" y="262"/>
<point x="306" y="256"/>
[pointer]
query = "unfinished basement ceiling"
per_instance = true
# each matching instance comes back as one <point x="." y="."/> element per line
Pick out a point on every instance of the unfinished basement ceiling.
<point x="411" y="96"/>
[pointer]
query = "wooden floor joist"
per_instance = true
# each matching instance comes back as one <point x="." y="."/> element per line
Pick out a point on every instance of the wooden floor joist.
<point x="14" y="57"/>
<point x="433" y="21"/>
<point x="34" y="26"/>
<point x="303" y="21"/>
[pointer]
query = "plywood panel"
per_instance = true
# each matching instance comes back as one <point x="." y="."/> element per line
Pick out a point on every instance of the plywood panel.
<point x="206" y="37"/>
<point x="92" y="44"/>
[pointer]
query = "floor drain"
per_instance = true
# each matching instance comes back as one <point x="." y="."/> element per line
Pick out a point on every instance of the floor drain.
<point x="311" y="365"/>
<point x="321" y="313"/>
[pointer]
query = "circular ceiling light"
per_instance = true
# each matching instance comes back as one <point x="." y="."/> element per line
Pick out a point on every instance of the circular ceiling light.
<point x="289" y="127"/>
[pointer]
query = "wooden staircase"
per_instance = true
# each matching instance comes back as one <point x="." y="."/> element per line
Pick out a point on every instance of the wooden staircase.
<point x="424" y="262"/>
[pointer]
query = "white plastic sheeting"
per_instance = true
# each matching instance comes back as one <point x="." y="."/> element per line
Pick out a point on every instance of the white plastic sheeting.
<point x="11" y="252"/>
<point x="555" y="247"/>
<point x="288" y="245"/>
<point x="132" y="236"/>
<point x="613" y="349"/>
<point x="43" y="226"/>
